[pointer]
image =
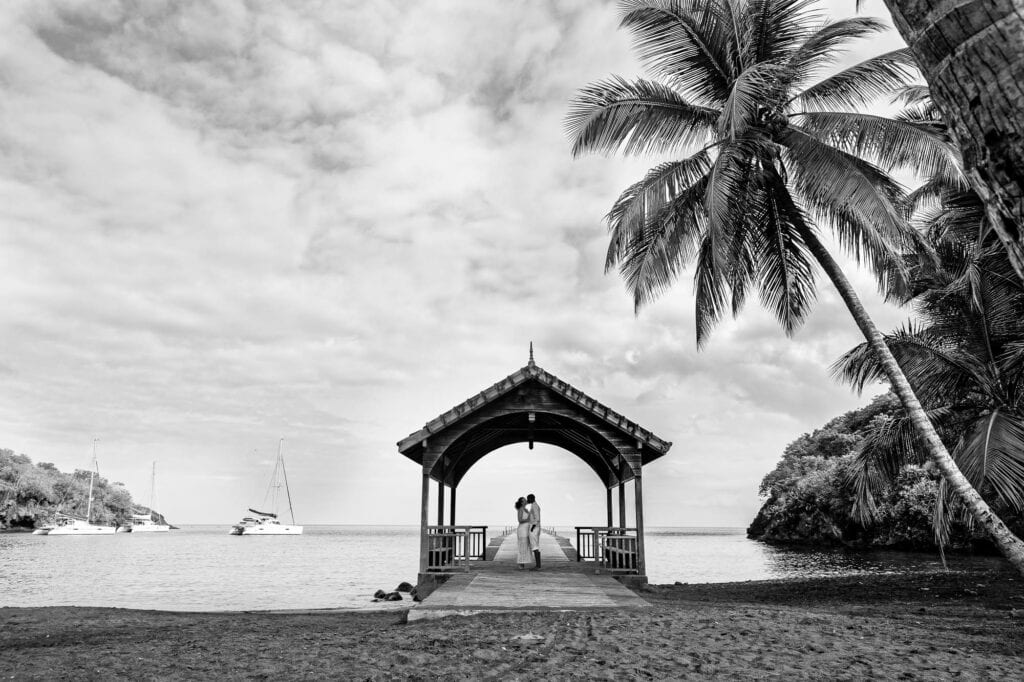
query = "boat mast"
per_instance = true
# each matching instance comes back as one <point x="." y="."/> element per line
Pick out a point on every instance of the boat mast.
<point x="95" y="467"/>
<point x="152" y="491"/>
<point x="287" y="490"/>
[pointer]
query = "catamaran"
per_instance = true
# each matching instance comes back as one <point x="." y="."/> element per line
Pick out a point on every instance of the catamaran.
<point x="144" y="523"/>
<point x="71" y="525"/>
<point x="267" y="523"/>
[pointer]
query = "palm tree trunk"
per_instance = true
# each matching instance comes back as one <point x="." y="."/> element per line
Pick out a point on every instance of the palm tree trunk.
<point x="1009" y="544"/>
<point x="972" y="55"/>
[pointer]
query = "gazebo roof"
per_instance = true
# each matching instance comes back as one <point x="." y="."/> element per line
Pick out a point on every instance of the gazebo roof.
<point x="650" y="445"/>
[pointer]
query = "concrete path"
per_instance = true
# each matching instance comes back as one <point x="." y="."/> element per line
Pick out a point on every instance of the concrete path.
<point x="561" y="585"/>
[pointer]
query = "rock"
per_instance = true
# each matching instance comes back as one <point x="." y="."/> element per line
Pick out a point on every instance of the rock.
<point x="404" y="587"/>
<point x="393" y="596"/>
<point x="380" y="594"/>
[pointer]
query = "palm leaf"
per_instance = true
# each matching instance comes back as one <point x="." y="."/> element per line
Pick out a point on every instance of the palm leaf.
<point x="635" y="117"/>
<point x="636" y="208"/>
<point x="863" y="204"/>
<point x="890" y="143"/>
<point x="991" y="456"/>
<point x="686" y="42"/>
<point x="823" y="47"/>
<point x="860" y="84"/>
<point x="776" y="29"/>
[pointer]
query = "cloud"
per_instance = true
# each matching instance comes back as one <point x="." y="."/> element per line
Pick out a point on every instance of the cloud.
<point x="226" y="223"/>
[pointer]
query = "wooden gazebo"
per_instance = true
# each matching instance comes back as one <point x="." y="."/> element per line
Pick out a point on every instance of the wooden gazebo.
<point x="532" y="405"/>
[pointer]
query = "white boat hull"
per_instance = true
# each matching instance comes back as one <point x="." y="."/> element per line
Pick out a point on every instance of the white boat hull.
<point x="267" y="529"/>
<point x="42" y="531"/>
<point x="154" y="528"/>
<point x="82" y="528"/>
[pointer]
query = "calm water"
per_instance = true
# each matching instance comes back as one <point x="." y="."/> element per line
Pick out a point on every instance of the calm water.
<point x="202" y="568"/>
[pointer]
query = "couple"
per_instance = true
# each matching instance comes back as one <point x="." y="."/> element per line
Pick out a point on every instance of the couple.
<point x="528" y="532"/>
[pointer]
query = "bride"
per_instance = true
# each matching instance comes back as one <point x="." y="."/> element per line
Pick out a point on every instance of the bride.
<point x="522" y="534"/>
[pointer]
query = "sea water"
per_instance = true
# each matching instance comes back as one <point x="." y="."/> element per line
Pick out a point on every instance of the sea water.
<point x="202" y="568"/>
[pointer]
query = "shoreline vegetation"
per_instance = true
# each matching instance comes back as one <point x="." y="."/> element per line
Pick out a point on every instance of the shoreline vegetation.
<point x="914" y="626"/>
<point x="32" y="495"/>
<point x="809" y="500"/>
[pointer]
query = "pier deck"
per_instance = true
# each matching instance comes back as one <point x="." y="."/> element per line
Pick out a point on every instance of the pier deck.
<point x="498" y="585"/>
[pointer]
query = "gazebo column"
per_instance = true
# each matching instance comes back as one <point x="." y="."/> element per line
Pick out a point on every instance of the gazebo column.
<point x="440" y="503"/>
<point x="425" y="501"/>
<point x="608" y="490"/>
<point x="622" y="504"/>
<point x="638" y="491"/>
<point x="452" y="522"/>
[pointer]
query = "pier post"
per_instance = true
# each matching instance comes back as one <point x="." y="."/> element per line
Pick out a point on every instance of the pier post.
<point x="452" y="523"/>
<point x="641" y="562"/>
<point x="622" y="504"/>
<point x="423" y="519"/>
<point x="608" y="490"/>
<point x="440" y="503"/>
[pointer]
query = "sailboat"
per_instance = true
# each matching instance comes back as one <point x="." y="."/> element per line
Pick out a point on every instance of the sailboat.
<point x="267" y="523"/>
<point x="144" y="523"/>
<point x="71" y="525"/>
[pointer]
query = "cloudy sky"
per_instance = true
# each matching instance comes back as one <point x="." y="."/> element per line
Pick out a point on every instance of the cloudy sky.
<point x="222" y="224"/>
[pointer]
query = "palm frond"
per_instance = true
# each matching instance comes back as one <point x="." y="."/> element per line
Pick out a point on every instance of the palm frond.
<point x="638" y="207"/>
<point x="776" y="29"/>
<point x="685" y="42"/>
<point x="746" y="98"/>
<point x="912" y="95"/>
<point x="823" y="47"/>
<point x="863" y="204"/>
<point x="710" y="287"/>
<point x="653" y="259"/>
<point x="891" y="144"/>
<point x="635" y="117"/>
<point x="860" y="84"/>
<point x="991" y="456"/>
<point x="786" y="267"/>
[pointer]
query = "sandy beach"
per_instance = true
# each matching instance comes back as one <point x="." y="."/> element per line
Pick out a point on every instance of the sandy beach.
<point x="936" y="626"/>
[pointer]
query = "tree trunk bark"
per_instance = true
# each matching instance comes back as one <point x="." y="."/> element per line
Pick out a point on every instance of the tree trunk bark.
<point x="1009" y="544"/>
<point x="972" y="55"/>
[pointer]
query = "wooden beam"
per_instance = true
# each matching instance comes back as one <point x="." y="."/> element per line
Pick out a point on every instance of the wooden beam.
<point x="452" y="522"/>
<point x="638" y="492"/>
<point x="440" y="503"/>
<point x="609" y="496"/>
<point x="622" y="504"/>
<point x="424" y="500"/>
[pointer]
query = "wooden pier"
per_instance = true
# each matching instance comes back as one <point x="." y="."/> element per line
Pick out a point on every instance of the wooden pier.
<point x="498" y="585"/>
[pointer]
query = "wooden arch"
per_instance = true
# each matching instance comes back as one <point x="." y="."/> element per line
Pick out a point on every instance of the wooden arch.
<point x="528" y="406"/>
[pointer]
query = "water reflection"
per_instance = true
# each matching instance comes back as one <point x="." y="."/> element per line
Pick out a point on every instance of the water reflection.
<point x="715" y="555"/>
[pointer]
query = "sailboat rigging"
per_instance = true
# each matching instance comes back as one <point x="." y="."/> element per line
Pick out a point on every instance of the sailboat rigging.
<point x="70" y="525"/>
<point x="267" y="523"/>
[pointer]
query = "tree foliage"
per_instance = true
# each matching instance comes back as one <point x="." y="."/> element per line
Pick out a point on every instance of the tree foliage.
<point x="32" y="495"/>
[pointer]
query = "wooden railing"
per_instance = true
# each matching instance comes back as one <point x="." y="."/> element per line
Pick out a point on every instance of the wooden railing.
<point x="451" y="548"/>
<point x="615" y="550"/>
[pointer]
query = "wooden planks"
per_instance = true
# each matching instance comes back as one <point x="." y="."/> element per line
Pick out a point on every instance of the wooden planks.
<point x="498" y="585"/>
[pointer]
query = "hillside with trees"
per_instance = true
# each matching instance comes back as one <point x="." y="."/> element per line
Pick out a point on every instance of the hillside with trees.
<point x="31" y="495"/>
<point x="810" y="498"/>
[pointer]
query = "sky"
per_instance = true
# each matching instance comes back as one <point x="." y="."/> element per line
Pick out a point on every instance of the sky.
<point x="226" y="224"/>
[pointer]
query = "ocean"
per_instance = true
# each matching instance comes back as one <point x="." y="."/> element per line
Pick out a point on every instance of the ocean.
<point x="202" y="568"/>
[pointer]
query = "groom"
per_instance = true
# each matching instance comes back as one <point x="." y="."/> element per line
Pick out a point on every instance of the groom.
<point x="534" y="529"/>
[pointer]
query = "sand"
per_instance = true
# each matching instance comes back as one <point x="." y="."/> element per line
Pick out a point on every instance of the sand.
<point x="936" y="626"/>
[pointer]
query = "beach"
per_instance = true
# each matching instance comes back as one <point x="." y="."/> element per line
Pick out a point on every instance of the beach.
<point x="932" y="626"/>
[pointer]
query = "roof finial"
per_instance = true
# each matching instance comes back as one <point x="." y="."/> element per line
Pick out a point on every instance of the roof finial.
<point x="531" y="352"/>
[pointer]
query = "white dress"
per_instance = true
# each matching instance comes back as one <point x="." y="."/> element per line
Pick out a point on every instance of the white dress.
<point x="523" y="553"/>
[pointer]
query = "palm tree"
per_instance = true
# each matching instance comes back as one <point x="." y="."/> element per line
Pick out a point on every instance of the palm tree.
<point x="964" y="357"/>
<point x="771" y="151"/>
<point x="971" y="52"/>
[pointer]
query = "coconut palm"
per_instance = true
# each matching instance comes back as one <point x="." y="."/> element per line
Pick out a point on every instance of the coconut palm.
<point x="972" y="55"/>
<point x="771" y="151"/>
<point x="964" y="357"/>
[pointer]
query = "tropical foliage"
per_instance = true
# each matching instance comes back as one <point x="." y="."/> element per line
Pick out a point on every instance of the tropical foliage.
<point x="964" y="355"/>
<point x="766" y="147"/>
<point x="31" y="495"/>
<point x="809" y="501"/>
